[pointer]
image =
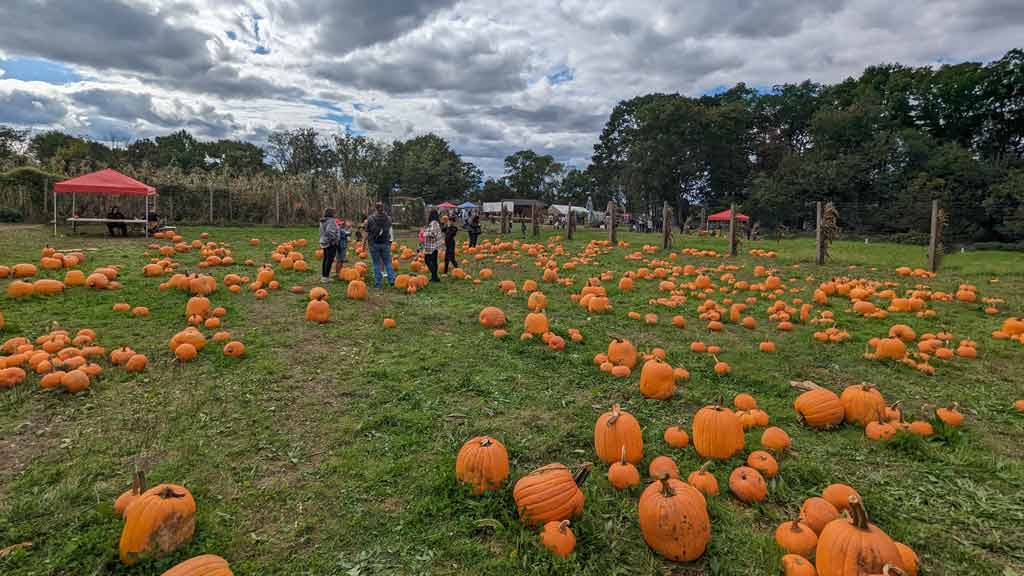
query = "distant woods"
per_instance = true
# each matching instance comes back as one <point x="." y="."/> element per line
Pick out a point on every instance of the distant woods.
<point x="880" y="147"/>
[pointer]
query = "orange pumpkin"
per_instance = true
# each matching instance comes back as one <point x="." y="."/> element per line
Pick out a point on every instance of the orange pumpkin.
<point x="674" y="519"/>
<point x="748" y="485"/>
<point x="657" y="380"/>
<point x="615" y="430"/>
<point x="482" y="463"/>
<point x="717" y="432"/>
<point x="853" y="546"/>
<point x="549" y="493"/>
<point x="158" y="522"/>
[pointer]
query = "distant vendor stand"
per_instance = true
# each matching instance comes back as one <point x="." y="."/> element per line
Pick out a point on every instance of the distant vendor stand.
<point x="109" y="182"/>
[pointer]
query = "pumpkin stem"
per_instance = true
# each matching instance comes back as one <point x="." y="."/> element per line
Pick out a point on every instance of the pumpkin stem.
<point x="893" y="570"/>
<point x="563" y="525"/>
<point x="704" y="467"/>
<point x="622" y="459"/>
<point x="666" y="488"/>
<point x="581" y="474"/>
<point x="859" y="514"/>
<point x="139" y="482"/>
<point x="485" y="442"/>
<point x="796" y="525"/>
<point x="615" y="415"/>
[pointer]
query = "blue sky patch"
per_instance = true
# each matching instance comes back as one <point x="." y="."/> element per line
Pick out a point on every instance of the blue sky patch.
<point x="561" y="75"/>
<point x="231" y="35"/>
<point x="261" y="50"/>
<point x="38" y="70"/>
<point x="339" y="118"/>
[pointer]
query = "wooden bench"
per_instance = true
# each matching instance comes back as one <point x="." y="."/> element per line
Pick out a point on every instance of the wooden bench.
<point x="75" y="221"/>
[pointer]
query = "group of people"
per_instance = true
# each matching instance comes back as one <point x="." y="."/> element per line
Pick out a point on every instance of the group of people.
<point x="114" y="227"/>
<point x="440" y="231"/>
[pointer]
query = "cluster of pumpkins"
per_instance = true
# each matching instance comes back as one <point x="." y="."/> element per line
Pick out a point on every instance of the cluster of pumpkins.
<point x="158" y="521"/>
<point x="102" y="278"/>
<point x="62" y="361"/>
<point x="894" y="347"/>
<point x="672" y="513"/>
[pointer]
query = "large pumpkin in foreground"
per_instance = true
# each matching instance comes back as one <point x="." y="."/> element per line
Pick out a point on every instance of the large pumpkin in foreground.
<point x="819" y="407"/>
<point x="482" y="463"/>
<point x="717" y="432"/>
<point x="549" y="493"/>
<point x="159" y="521"/>
<point x="854" y="546"/>
<point x="674" y="519"/>
<point x="615" y="431"/>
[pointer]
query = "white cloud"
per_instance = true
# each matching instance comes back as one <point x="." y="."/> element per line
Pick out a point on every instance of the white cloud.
<point x="473" y="71"/>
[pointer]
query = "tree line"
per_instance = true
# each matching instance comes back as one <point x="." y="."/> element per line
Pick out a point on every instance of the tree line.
<point x="879" y="146"/>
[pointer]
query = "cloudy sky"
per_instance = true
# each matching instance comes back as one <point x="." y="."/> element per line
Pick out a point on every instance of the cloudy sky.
<point x="491" y="76"/>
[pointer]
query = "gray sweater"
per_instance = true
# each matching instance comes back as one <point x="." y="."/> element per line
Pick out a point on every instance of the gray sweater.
<point x="330" y="234"/>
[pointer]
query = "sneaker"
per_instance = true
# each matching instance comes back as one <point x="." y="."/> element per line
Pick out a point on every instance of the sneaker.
<point x="324" y="279"/>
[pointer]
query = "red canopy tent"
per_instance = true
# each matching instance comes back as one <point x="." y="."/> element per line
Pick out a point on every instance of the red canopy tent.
<point x="108" y="181"/>
<point x="725" y="215"/>
<point x="446" y="206"/>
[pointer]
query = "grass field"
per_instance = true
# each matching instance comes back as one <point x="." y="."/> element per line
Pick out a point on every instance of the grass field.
<point x="330" y="449"/>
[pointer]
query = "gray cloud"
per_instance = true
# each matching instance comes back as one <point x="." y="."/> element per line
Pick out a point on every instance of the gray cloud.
<point x="26" y="108"/>
<point x="125" y="109"/>
<point x="346" y="25"/>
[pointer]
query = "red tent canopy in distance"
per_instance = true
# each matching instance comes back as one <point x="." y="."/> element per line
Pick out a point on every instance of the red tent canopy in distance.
<point x="724" y="216"/>
<point x="107" y="181"/>
<point x="447" y="206"/>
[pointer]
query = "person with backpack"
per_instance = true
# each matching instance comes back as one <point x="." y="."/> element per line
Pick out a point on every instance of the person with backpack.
<point x="329" y="237"/>
<point x="432" y="240"/>
<point x="474" y="230"/>
<point x="450" y="231"/>
<point x="378" y="237"/>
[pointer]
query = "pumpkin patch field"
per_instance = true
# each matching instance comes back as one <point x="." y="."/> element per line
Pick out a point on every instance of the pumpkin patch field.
<point x="201" y="404"/>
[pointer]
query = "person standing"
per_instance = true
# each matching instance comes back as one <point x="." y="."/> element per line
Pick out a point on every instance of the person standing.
<point x="329" y="237"/>
<point x="432" y="239"/>
<point x="342" y="255"/>
<point x="474" y="230"/>
<point x="450" y="231"/>
<point x="378" y="235"/>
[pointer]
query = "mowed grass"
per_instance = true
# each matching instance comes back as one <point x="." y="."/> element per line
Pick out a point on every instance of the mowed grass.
<point x="330" y="449"/>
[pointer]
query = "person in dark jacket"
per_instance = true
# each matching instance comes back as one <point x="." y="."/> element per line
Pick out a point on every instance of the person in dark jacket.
<point x="474" y="229"/>
<point x="378" y="237"/>
<point x="330" y="235"/>
<point x="113" y="227"/>
<point x="450" y="231"/>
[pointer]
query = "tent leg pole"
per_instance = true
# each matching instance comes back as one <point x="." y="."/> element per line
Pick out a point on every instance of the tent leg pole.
<point x="145" y="226"/>
<point x="54" y="212"/>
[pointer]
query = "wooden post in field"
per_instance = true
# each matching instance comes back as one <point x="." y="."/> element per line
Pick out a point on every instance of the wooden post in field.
<point x="503" y="216"/>
<point x="277" y="206"/>
<point x="610" y="218"/>
<point x="209" y="194"/>
<point x="732" y="230"/>
<point x="535" y="221"/>
<point x="933" y="242"/>
<point x="666" y="227"/>
<point x="704" y="218"/>
<point x="819" y="246"/>
<point x="570" y="224"/>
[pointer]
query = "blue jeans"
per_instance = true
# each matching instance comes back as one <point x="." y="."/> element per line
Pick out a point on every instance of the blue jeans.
<point x="381" y="256"/>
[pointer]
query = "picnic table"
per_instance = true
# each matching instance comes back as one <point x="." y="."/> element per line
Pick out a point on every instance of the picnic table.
<point x="76" y="220"/>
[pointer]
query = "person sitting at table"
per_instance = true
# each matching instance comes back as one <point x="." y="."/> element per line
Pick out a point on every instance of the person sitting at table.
<point x="113" y="227"/>
<point x="154" y="220"/>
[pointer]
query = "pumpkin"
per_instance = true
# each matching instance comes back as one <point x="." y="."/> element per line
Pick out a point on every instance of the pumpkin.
<point x="132" y="494"/>
<point x="121" y="355"/>
<point x="862" y="403"/>
<point x="549" y="493"/>
<point x="744" y="401"/>
<point x="748" y="485"/>
<point x="796" y="537"/>
<point x="558" y="538"/>
<point x="537" y="301"/>
<point x="950" y="416"/>
<point x="703" y="481"/>
<point x="676" y="437"/>
<point x="661" y="466"/>
<point x="492" y="317"/>
<point x="717" y="432"/>
<point x="613" y="431"/>
<point x="623" y="474"/>
<point x="318" y="311"/>
<point x="674" y="519"/>
<point x="48" y="287"/>
<point x="839" y="495"/>
<point x="356" y="290"/>
<point x="158" y="522"/>
<point x="482" y="463"/>
<point x="74" y="381"/>
<point x="140" y="311"/>
<point x="25" y="270"/>
<point x="763" y="462"/>
<point x="234" y="349"/>
<point x="185" y="352"/>
<point x="619" y="371"/>
<point x="47" y="382"/>
<point x="819" y="407"/>
<point x="657" y="380"/>
<point x="622" y="353"/>
<point x="817" y="512"/>
<point x="97" y="280"/>
<point x="776" y="439"/>
<point x="536" y="323"/>
<point x="853" y="546"/>
<point x="20" y="289"/>
<point x="796" y="565"/>
<point x="136" y="363"/>
<point x="908" y="559"/>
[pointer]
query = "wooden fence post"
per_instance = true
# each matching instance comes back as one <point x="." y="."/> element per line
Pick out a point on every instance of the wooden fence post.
<point x="570" y="223"/>
<point x="703" y="219"/>
<point x="732" y="230"/>
<point x="666" y="227"/>
<point x="503" y="215"/>
<point x="610" y="219"/>
<point x="535" y="221"/>
<point x="209" y="194"/>
<point x="819" y="247"/>
<point x="277" y="206"/>
<point x="933" y="242"/>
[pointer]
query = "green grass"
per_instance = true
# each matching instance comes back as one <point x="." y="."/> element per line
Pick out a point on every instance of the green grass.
<point x="330" y="449"/>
